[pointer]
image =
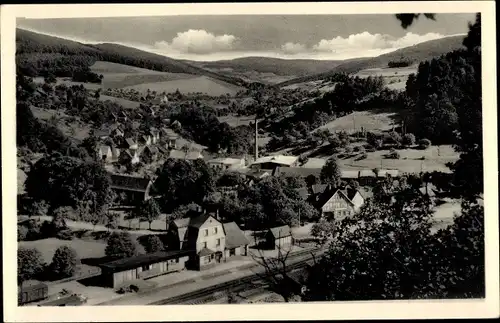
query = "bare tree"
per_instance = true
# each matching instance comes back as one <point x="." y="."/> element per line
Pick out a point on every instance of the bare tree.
<point x="276" y="269"/>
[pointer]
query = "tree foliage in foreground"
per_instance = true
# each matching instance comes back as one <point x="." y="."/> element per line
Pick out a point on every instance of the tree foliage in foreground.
<point x="120" y="245"/>
<point x="388" y="251"/>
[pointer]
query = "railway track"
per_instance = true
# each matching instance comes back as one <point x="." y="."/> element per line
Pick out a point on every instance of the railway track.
<point x="212" y="293"/>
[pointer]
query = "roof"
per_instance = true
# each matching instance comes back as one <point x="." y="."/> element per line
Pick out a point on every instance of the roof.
<point x="277" y="159"/>
<point x="390" y="172"/>
<point x="179" y="154"/>
<point x="146" y="259"/>
<point x="130" y="141"/>
<point x="181" y="223"/>
<point x="329" y="193"/>
<point x="129" y="182"/>
<point x="297" y="171"/>
<point x="367" y="173"/>
<point x="152" y="149"/>
<point x="299" y="276"/>
<point x="101" y="132"/>
<point x="234" y="236"/>
<point x="226" y="161"/>
<point x="281" y="232"/>
<point x="205" y="252"/>
<point x="349" y="174"/>
<point x="198" y="221"/>
<point x="365" y="193"/>
<point x="429" y="191"/>
<point x="104" y="148"/>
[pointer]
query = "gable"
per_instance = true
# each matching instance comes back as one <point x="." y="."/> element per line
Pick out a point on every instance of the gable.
<point x="338" y="199"/>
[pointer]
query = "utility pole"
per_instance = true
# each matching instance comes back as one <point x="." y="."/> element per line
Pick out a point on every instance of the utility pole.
<point x="256" y="139"/>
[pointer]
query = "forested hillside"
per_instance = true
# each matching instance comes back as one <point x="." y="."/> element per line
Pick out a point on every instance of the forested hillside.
<point x="42" y="55"/>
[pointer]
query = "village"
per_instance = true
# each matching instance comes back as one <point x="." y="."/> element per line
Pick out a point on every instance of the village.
<point x="143" y="180"/>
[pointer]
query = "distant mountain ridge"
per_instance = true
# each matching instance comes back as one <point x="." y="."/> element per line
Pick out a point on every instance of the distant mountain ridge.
<point x="417" y="53"/>
<point x="278" y="66"/>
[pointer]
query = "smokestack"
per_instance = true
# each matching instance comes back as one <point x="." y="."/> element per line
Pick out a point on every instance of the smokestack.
<point x="256" y="140"/>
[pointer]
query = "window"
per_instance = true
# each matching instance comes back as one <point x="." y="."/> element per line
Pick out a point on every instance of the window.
<point x="232" y="252"/>
<point x="215" y="230"/>
<point x="204" y="244"/>
<point x="146" y="267"/>
<point x="218" y="242"/>
<point x="177" y="260"/>
<point x="206" y="232"/>
<point x="212" y="256"/>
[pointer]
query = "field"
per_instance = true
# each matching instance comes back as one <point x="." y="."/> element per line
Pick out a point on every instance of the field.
<point x="74" y="128"/>
<point x="201" y="84"/>
<point x="127" y="104"/>
<point x="374" y="120"/>
<point x="235" y="121"/>
<point x="395" y="78"/>
<point x="84" y="249"/>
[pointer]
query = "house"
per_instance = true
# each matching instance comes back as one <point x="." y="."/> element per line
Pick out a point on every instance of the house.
<point x="279" y="237"/>
<point x="227" y="163"/>
<point x="348" y="175"/>
<point x="108" y="154"/>
<point x="383" y="173"/>
<point x="367" y="177"/>
<point x="155" y="135"/>
<point x="113" y="117"/>
<point x="129" y="156"/>
<point x="150" y="152"/>
<point x="297" y="171"/>
<point x="336" y="203"/>
<point x="102" y="133"/>
<point x="104" y="153"/>
<point x="236" y="241"/>
<point x="273" y="162"/>
<point x="130" y="143"/>
<point x="169" y="138"/>
<point x="145" y="140"/>
<point x="117" y="132"/>
<point x="135" y="188"/>
<point x="210" y="240"/>
<point x="205" y="235"/>
<point x="428" y="190"/>
<point x="118" y="272"/>
<point x="122" y="117"/>
<point x="189" y="155"/>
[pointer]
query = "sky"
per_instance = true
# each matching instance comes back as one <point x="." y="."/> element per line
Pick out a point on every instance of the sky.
<point x="209" y="38"/>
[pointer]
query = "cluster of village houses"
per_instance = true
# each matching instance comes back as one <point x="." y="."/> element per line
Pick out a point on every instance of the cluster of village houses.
<point x="201" y="240"/>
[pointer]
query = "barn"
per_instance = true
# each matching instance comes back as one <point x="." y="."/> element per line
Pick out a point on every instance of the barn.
<point x="118" y="272"/>
<point x="279" y="237"/>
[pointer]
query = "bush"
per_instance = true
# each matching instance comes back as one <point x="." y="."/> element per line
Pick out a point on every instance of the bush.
<point x="22" y="233"/>
<point x="65" y="234"/>
<point x="424" y="143"/>
<point x="392" y="138"/>
<point x="393" y="154"/>
<point x="408" y="139"/>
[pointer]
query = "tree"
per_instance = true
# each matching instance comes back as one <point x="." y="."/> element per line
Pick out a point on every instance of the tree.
<point x="323" y="230"/>
<point x="424" y="143"/>
<point x="64" y="262"/>
<point x="152" y="244"/>
<point x="112" y="220"/>
<point x="330" y="172"/>
<point x="29" y="264"/>
<point x="38" y="208"/>
<point x="120" y="245"/>
<point x="22" y="233"/>
<point x="407" y="19"/>
<point x="311" y="180"/>
<point x="148" y="210"/>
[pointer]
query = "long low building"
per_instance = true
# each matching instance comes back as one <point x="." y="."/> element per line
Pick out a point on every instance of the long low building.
<point x="118" y="272"/>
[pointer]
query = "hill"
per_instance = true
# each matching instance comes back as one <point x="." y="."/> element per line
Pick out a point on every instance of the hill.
<point x="417" y="53"/>
<point x="39" y="54"/>
<point x="282" y="67"/>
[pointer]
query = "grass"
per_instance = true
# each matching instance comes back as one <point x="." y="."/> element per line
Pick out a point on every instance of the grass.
<point x="76" y="129"/>
<point x="235" y="121"/>
<point x="83" y="248"/>
<point x="101" y="67"/>
<point x="201" y="84"/>
<point x="395" y="78"/>
<point x="374" y="120"/>
<point x="127" y="104"/>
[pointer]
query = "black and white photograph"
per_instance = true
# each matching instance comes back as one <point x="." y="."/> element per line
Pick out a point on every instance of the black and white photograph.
<point x="250" y="159"/>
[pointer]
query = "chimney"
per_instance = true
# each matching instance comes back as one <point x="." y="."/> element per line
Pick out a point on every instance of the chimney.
<point x="256" y="139"/>
<point x="217" y="214"/>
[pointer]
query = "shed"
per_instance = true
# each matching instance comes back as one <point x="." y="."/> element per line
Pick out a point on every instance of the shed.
<point x="279" y="237"/>
<point x="136" y="188"/>
<point x="144" y="266"/>
<point x="236" y="241"/>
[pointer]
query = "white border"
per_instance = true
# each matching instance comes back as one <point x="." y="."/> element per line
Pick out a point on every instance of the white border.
<point x="488" y="307"/>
